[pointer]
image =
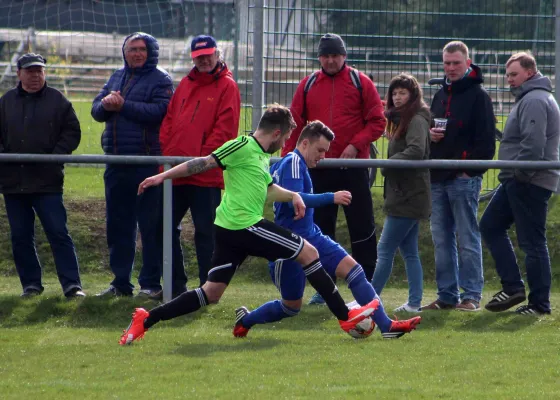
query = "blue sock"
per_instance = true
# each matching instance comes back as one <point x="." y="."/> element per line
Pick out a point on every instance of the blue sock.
<point x="364" y="293"/>
<point x="268" y="312"/>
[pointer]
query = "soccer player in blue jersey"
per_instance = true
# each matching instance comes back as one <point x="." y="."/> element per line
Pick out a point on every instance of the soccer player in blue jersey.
<point x="292" y="173"/>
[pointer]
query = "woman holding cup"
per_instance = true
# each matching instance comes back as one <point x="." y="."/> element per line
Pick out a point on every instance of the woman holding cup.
<point x="407" y="198"/>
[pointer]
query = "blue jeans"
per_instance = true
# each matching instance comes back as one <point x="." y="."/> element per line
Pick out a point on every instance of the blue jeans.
<point x="126" y="213"/>
<point x="401" y="233"/>
<point x="525" y="205"/>
<point x="21" y="209"/>
<point x="454" y="212"/>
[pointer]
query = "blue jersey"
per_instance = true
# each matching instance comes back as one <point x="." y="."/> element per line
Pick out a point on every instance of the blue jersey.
<point x="292" y="173"/>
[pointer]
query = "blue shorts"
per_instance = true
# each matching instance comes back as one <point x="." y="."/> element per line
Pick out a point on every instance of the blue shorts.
<point x="288" y="275"/>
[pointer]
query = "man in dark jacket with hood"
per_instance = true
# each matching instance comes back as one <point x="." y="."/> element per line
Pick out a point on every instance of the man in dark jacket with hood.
<point x="532" y="133"/>
<point x="132" y="104"/>
<point x="203" y="114"/>
<point x="469" y="135"/>
<point x="37" y="119"/>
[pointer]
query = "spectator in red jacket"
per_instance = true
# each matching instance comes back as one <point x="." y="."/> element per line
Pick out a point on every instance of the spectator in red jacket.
<point x="203" y="114"/>
<point x="348" y="103"/>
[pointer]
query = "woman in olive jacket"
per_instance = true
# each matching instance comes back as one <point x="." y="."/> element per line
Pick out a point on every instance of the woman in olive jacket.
<point x="406" y="192"/>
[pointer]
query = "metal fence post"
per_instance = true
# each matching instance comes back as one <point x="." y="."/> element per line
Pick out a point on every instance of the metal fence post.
<point x="258" y="63"/>
<point x="237" y="18"/>
<point x="167" y="233"/>
<point x="557" y="49"/>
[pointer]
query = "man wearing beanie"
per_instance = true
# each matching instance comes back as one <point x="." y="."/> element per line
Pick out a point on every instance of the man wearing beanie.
<point x="348" y="103"/>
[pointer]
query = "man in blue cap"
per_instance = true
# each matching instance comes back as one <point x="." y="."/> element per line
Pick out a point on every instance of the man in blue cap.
<point x="203" y="114"/>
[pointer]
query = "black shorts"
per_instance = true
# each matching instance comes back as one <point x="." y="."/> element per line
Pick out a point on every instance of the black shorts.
<point x="264" y="239"/>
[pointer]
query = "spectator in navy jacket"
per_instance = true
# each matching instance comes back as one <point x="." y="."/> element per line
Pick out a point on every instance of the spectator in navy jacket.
<point x="132" y="104"/>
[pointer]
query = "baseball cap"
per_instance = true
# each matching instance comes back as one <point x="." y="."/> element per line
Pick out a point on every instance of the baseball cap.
<point x="31" y="60"/>
<point x="203" y="45"/>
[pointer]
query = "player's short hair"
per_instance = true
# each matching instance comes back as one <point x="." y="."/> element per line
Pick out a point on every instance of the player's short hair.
<point x="525" y="59"/>
<point x="456" y="45"/>
<point x="275" y="117"/>
<point x="314" y="130"/>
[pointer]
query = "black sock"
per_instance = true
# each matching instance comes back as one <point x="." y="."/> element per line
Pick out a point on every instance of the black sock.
<point x="324" y="285"/>
<point x="186" y="303"/>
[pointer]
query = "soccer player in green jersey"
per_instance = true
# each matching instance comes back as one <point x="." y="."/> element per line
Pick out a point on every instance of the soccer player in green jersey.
<point x="241" y="230"/>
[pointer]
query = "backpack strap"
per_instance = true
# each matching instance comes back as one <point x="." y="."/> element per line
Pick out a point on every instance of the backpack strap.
<point x="308" y="84"/>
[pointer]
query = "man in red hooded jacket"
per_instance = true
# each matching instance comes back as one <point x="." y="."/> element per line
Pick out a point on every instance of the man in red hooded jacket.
<point x="348" y="103"/>
<point x="203" y="114"/>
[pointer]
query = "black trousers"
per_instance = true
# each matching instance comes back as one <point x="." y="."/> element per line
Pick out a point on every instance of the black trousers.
<point x="359" y="214"/>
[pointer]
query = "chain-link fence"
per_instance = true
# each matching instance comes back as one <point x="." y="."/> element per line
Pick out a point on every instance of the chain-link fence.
<point x="386" y="38"/>
<point x="271" y="45"/>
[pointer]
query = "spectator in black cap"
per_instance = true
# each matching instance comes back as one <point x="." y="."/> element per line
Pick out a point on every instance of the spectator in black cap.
<point x="37" y="119"/>
<point x="348" y="103"/>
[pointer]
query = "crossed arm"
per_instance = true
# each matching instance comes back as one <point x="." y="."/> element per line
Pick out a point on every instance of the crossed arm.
<point x="188" y="168"/>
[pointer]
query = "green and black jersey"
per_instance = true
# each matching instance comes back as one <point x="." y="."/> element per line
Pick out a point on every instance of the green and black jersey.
<point x="246" y="179"/>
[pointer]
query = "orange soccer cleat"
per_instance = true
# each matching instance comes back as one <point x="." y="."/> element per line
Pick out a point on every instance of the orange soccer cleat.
<point x="136" y="328"/>
<point x="399" y="328"/>
<point x="357" y="315"/>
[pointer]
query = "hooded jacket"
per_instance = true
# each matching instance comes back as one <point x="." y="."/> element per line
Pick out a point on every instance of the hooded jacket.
<point x="471" y="125"/>
<point x="355" y="118"/>
<point x="407" y="192"/>
<point x="134" y="130"/>
<point x="203" y="114"/>
<point x="36" y="123"/>
<point x="532" y="132"/>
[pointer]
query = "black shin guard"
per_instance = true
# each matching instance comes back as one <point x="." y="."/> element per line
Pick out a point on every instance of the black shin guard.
<point x="324" y="285"/>
<point x="186" y="303"/>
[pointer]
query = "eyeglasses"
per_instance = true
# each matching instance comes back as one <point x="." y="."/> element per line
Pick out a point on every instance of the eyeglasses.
<point x="137" y="50"/>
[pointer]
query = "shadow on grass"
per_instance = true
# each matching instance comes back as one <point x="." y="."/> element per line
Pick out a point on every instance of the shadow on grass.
<point x="481" y="321"/>
<point x="91" y="312"/>
<point x="235" y="346"/>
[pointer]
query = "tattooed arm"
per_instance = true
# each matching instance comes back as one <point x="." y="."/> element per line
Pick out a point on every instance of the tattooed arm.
<point x="192" y="167"/>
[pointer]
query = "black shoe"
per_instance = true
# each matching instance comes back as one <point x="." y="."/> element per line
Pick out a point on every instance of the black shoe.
<point x="502" y="301"/>
<point x="30" y="292"/>
<point x="112" y="291"/>
<point x="75" y="293"/>
<point x="530" y="310"/>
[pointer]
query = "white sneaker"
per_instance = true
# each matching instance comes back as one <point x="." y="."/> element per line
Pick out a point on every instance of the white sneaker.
<point x="407" y="308"/>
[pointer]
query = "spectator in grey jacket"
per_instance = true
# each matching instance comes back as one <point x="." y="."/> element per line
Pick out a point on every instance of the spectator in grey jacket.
<point x="531" y="134"/>
<point x="37" y="119"/>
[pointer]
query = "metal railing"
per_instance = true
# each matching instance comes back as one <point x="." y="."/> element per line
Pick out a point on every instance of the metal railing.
<point x="167" y="162"/>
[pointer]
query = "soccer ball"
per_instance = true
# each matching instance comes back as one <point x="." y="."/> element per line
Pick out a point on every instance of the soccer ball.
<point x="363" y="329"/>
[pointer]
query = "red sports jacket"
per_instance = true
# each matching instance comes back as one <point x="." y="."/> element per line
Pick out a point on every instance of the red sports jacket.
<point x="354" y="118"/>
<point x="203" y="114"/>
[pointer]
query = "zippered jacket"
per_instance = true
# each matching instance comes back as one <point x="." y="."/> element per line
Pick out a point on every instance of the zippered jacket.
<point x="203" y="114"/>
<point x="36" y="123"/>
<point x="532" y="132"/>
<point x="134" y="130"/>
<point x="355" y="117"/>
<point x="471" y="125"/>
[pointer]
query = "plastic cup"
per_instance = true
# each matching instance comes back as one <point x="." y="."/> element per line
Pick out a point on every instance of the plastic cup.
<point x="440" y="123"/>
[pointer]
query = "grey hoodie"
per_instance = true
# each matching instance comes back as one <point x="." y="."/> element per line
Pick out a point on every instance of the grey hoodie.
<point x="532" y="132"/>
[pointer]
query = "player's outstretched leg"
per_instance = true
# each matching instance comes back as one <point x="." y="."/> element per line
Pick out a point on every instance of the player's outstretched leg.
<point x="269" y="312"/>
<point x="186" y="303"/>
<point x="364" y="292"/>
